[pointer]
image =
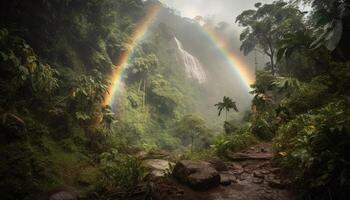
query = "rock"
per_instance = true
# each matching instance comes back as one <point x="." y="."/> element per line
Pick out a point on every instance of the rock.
<point x="180" y="192"/>
<point x="258" y="175"/>
<point x="243" y="176"/>
<point x="62" y="195"/>
<point x="237" y="168"/>
<point x="265" y="172"/>
<point x="157" y="154"/>
<point x="258" y="180"/>
<point x="226" y="179"/>
<point x="274" y="183"/>
<point x="218" y="164"/>
<point x="197" y="174"/>
<point x="263" y="165"/>
<point x="157" y="167"/>
<point x="248" y="156"/>
<point x="275" y="170"/>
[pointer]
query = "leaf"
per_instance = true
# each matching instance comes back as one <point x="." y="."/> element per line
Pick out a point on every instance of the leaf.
<point x="333" y="38"/>
<point x="280" y="53"/>
<point x="282" y="154"/>
<point x="289" y="52"/>
<point x="4" y="56"/>
<point x="82" y="116"/>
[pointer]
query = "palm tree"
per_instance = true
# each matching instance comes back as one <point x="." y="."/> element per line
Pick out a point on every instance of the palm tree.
<point x="227" y="104"/>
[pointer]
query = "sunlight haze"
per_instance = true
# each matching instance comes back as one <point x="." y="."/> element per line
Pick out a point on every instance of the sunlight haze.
<point x="220" y="10"/>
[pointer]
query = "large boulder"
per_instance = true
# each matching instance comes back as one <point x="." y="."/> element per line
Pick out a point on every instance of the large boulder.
<point x="197" y="174"/>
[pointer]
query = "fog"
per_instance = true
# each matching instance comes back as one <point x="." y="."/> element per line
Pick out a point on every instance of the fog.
<point x="226" y="82"/>
<point x="220" y="10"/>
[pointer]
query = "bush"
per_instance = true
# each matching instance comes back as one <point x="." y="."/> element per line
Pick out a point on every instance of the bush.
<point x="230" y="127"/>
<point x="309" y="96"/>
<point x="314" y="148"/>
<point x="263" y="125"/>
<point x="240" y="139"/>
<point x="121" y="171"/>
<point x="202" y="154"/>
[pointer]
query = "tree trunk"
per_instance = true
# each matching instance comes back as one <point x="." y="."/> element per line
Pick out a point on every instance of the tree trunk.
<point x="272" y="63"/>
<point x="140" y="83"/>
<point x="271" y="54"/>
<point x="144" y="94"/>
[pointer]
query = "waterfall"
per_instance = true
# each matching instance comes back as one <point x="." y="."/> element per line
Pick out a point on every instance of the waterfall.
<point x="193" y="68"/>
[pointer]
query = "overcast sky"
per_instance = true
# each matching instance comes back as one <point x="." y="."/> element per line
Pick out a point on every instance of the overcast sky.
<point x="221" y="10"/>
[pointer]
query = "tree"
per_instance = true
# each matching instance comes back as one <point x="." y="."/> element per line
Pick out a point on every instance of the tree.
<point x="192" y="129"/>
<point x="266" y="25"/>
<point x="331" y="22"/>
<point x="141" y="67"/>
<point x="227" y="104"/>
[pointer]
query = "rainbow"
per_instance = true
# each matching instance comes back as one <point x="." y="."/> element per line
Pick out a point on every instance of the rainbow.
<point x="239" y="68"/>
<point x="143" y="26"/>
<point x="124" y="58"/>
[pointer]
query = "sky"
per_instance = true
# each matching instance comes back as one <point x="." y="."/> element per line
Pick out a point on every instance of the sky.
<point x="220" y="10"/>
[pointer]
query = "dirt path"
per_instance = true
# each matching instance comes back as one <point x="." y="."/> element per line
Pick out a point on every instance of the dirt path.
<point x="252" y="176"/>
<point x="256" y="179"/>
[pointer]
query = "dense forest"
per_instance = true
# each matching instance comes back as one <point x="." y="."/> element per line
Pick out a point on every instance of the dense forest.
<point x="61" y="141"/>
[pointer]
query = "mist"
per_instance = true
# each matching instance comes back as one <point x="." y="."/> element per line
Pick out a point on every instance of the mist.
<point x="222" y="80"/>
<point x="220" y="10"/>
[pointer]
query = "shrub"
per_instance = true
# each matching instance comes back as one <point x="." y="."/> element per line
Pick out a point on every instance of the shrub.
<point x="240" y="139"/>
<point x="309" y="96"/>
<point x="202" y="154"/>
<point x="121" y="171"/>
<point x="263" y="125"/>
<point x="314" y="148"/>
<point x="229" y="127"/>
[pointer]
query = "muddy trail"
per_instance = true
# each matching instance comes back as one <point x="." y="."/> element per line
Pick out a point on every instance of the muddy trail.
<point x="249" y="175"/>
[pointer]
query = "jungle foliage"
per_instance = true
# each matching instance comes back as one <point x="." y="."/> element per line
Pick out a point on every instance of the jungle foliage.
<point x="303" y="105"/>
<point x="56" y="59"/>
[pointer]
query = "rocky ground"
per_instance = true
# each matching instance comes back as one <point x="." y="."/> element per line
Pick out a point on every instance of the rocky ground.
<point x="248" y="175"/>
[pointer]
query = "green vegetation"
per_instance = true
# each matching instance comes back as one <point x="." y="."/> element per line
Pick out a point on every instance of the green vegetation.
<point x="121" y="170"/>
<point x="56" y="58"/>
<point x="241" y="138"/>
<point x="313" y="147"/>
<point x="55" y="130"/>
<point x="264" y="26"/>
<point x="303" y="104"/>
<point x="54" y="70"/>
